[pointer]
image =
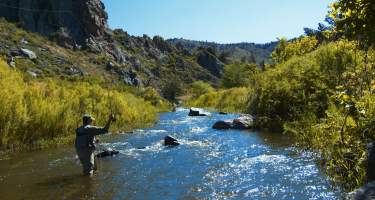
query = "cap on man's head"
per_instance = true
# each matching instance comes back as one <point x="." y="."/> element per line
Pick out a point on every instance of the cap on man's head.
<point x="88" y="117"/>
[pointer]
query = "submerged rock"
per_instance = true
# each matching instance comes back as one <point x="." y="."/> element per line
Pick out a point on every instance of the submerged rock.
<point x="170" y="141"/>
<point x="223" y="113"/>
<point x="107" y="153"/>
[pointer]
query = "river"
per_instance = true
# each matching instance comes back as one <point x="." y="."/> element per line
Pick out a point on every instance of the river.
<point x="209" y="164"/>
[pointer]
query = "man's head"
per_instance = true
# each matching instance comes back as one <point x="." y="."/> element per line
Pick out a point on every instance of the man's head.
<point x="87" y="119"/>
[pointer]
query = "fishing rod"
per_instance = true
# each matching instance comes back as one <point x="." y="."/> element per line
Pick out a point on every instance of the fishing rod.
<point x="110" y="101"/>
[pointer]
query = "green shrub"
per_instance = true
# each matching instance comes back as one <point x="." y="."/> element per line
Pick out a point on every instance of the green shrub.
<point x="239" y="75"/>
<point x="199" y="88"/>
<point x="286" y="50"/>
<point x="326" y="99"/>
<point x="231" y="100"/>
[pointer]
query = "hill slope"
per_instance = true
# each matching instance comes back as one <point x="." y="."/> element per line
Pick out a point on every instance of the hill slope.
<point x="237" y="51"/>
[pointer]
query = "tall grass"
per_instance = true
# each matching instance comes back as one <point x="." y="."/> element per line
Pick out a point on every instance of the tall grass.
<point x="40" y="111"/>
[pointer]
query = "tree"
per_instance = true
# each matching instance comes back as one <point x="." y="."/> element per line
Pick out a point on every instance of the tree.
<point x="199" y="88"/>
<point x="355" y="19"/>
<point x="239" y="75"/>
<point x="224" y="57"/>
<point x="286" y="50"/>
<point x="172" y="89"/>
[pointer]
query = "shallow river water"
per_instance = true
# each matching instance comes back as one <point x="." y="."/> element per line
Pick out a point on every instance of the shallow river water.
<point x="209" y="164"/>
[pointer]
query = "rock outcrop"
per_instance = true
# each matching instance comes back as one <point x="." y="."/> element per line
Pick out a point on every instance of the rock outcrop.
<point x="210" y="62"/>
<point x="72" y="21"/>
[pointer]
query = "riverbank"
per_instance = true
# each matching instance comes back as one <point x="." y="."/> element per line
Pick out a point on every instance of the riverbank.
<point x="323" y="95"/>
<point x="40" y="113"/>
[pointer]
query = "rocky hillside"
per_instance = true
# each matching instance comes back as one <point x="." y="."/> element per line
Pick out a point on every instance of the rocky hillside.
<point x="248" y="52"/>
<point x="71" y="39"/>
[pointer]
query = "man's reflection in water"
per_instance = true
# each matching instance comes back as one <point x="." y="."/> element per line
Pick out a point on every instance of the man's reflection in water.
<point x="69" y="187"/>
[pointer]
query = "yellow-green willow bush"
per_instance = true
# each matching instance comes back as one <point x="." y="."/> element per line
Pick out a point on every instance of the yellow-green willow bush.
<point x="230" y="100"/>
<point x="38" y="112"/>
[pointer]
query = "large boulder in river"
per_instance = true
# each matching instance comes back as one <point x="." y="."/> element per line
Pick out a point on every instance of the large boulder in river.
<point x="222" y="125"/>
<point x="243" y="122"/>
<point x="195" y="112"/>
<point x="170" y="141"/>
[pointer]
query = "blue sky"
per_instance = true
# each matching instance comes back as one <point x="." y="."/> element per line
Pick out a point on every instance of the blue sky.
<point x="223" y="21"/>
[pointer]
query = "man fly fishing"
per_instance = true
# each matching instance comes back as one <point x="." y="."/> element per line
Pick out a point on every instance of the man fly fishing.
<point x="85" y="141"/>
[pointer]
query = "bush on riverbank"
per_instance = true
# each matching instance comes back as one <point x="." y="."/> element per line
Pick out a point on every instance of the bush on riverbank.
<point x="37" y="112"/>
<point x="326" y="99"/>
<point x="230" y="100"/>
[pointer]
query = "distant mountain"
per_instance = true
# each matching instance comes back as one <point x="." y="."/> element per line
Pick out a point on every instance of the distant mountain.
<point x="237" y="51"/>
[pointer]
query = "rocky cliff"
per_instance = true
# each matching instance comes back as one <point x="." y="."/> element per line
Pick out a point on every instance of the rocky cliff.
<point x="71" y="21"/>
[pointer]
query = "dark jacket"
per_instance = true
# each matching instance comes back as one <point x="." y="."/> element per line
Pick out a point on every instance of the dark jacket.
<point x="85" y="136"/>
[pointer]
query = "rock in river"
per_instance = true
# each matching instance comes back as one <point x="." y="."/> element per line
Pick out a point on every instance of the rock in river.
<point x="222" y="125"/>
<point x="241" y="123"/>
<point x="170" y="141"/>
<point x="195" y="112"/>
<point x="107" y="153"/>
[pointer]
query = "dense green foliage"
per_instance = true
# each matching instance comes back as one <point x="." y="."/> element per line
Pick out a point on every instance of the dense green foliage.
<point x="325" y="98"/>
<point x="355" y="19"/>
<point x="34" y="113"/>
<point x="199" y="88"/>
<point x="230" y="100"/>
<point x="238" y="75"/>
<point x="286" y="50"/>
